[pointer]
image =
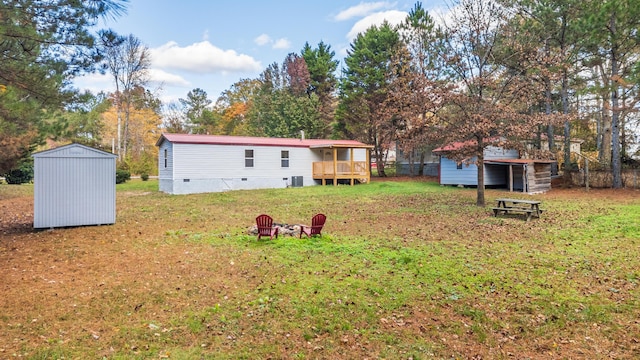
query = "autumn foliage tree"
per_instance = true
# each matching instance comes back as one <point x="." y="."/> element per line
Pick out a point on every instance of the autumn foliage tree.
<point x="128" y="62"/>
<point x="489" y="104"/>
<point x="235" y="105"/>
<point x="143" y="131"/>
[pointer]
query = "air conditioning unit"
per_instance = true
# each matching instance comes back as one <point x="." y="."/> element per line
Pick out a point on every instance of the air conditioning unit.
<point x="296" y="181"/>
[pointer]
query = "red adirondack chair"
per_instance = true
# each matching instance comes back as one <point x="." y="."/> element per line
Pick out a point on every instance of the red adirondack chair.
<point x="317" y="222"/>
<point x="265" y="227"/>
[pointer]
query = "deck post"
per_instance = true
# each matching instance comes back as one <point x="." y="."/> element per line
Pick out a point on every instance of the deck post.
<point x="335" y="166"/>
<point x="368" y="165"/>
<point x="510" y="178"/>
<point x="351" y="165"/>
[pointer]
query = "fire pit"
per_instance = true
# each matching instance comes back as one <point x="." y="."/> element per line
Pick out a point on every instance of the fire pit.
<point x="283" y="229"/>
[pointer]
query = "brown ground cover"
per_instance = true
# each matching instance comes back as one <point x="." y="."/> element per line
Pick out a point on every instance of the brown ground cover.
<point x="75" y="285"/>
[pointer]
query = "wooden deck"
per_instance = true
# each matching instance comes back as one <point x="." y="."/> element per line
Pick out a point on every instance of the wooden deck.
<point x="341" y="170"/>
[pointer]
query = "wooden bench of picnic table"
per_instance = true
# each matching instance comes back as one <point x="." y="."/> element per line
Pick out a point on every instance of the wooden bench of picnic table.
<point x="527" y="207"/>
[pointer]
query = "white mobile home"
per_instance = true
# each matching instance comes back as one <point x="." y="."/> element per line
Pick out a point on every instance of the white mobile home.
<point x="214" y="163"/>
<point x="74" y="185"/>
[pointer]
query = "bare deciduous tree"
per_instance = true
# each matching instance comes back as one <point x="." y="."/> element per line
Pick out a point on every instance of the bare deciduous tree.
<point x="128" y="61"/>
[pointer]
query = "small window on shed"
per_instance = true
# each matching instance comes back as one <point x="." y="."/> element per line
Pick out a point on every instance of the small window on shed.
<point x="459" y="167"/>
<point x="284" y="158"/>
<point x="248" y="158"/>
<point x="165" y="157"/>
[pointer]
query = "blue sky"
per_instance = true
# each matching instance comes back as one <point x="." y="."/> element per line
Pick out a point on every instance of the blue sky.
<point x="212" y="44"/>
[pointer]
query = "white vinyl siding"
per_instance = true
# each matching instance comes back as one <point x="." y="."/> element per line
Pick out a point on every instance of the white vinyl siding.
<point x="212" y="168"/>
<point x="165" y="173"/>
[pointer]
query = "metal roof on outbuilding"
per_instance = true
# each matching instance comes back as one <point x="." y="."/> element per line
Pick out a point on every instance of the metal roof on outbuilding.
<point x="73" y="151"/>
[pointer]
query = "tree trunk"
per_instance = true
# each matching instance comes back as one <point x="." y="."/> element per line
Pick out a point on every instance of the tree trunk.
<point x="411" y="163"/>
<point x="480" y="164"/>
<point x="379" y="160"/>
<point x="119" y="126"/>
<point x="616" y="163"/>
<point x="550" y="131"/>
<point x="125" y="132"/>
<point x="421" y="166"/>
<point x="605" y="150"/>
<point x="567" y="127"/>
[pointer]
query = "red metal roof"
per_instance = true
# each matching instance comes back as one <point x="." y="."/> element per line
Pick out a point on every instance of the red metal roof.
<point x="255" y="141"/>
<point x="461" y="144"/>
<point x="454" y="146"/>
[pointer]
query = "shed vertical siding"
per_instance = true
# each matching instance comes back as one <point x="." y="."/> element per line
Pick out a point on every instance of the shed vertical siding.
<point x="74" y="186"/>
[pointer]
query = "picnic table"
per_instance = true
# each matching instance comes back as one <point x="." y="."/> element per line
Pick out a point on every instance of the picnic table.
<point x="527" y="207"/>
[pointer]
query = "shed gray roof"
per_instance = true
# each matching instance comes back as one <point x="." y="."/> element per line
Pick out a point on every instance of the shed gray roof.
<point x="73" y="151"/>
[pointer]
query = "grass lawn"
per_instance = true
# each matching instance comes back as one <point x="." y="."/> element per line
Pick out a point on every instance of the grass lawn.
<point x="403" y="270"/>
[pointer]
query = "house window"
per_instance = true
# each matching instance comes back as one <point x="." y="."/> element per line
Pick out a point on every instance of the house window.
<point x="248" y="158"/>
<point x="284" y="158"/>
<point x="165" y="158"/>
<point x="459" y="167"/>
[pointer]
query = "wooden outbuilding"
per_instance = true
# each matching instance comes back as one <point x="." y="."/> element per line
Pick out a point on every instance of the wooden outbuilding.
<point x="525" y="175"/>
<point x="502" y="169"/>
<point x="74" y="185"/>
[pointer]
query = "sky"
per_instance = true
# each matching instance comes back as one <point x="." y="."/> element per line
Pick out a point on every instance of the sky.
<point x="211" y="44"/>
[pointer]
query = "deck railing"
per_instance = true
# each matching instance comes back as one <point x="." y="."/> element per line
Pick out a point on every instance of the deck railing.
<point x="343" y="169"/>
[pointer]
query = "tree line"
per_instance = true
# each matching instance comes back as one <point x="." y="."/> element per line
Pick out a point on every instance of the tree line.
<point x="490" y="72"/>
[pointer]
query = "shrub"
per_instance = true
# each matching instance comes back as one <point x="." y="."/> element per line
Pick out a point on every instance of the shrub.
<point x="144" y="176"/>
<point x="20" y="175"/>
<point x="122" y="176"/>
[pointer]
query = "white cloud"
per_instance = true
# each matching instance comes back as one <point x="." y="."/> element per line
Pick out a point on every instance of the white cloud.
<point x="263" y="39"/>
<point x="202" y="58"/>
<point x="94" y="83"/>
<point x="393" y="17"/>
<point x="282" y="44"/>
<point x="362" y="9"/>
<point x="166" y="78"/>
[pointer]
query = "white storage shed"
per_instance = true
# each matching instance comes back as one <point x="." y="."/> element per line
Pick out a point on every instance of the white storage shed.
<point x="74" y="185"/>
